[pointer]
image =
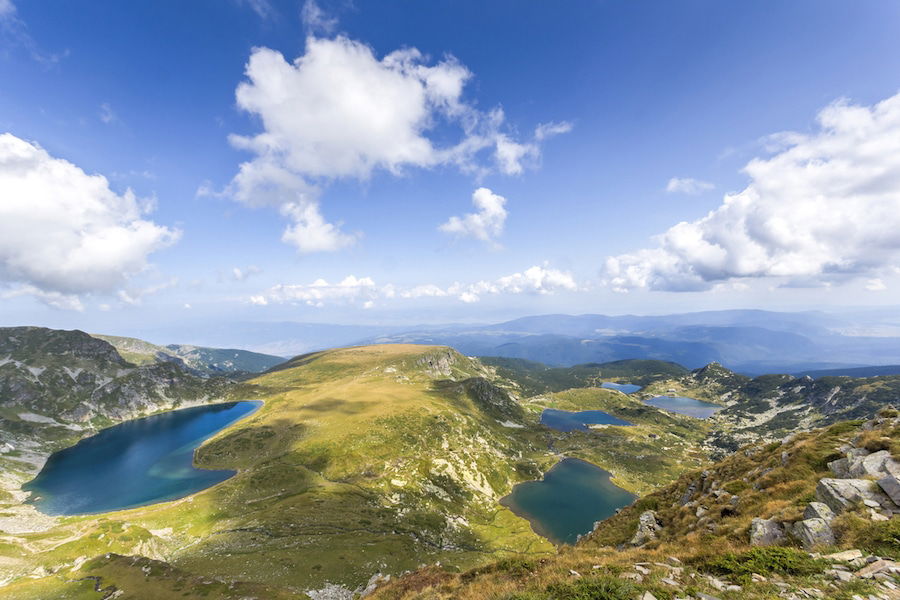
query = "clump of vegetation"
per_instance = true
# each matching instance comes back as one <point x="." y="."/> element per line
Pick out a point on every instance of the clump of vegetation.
<point x="881" y="538"/>
<point x="588" y="588"/>
<point x="765" y="561"/>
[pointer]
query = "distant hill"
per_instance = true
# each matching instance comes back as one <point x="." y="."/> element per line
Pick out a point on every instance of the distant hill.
<point x="209" y="361"/>
<point x="537" y="378"/>
<point x="874" y="371"/>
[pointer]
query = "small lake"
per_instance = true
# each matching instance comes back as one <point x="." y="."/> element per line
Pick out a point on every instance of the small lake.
<point x="566" y="503"/>
<point x="625" y="388"/>
<point x="134" y="463"/>
<point x="685" y="406"/>
<point x="564" y="420"/>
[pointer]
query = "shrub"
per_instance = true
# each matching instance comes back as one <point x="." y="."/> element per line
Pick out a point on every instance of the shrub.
<point x="592" y="588"/>
<point x="782" y="561"/>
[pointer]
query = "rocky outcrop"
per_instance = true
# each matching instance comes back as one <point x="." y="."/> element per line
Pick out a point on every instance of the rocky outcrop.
<point x="877" y="464"/>
<point x="841" y="494"/>
<point x="766" y="532"/>
<point x="648" y="527"/>
<point x="890" y="485"/>
<point x="818" y="510"/>
<point x="813" y="532"/>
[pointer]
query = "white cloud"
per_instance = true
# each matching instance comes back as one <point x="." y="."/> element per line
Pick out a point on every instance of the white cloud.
<point x="338" y="111"/>
<point x="875" y="285"/>
<point x="65" y="232"/>
<point x="319" y="292"/>
<point x="262" y="8"/>
<point x="7" y="9"/>
<point x="546" y="130"/>
<point x="538" y="279"/>
<point x="315" y="19"/>
<point x="486" y="224"/>
<point x="825" y="207"/>
<point x="240" y="274"/>
<point x="310" y="232"/>
<point x="688" y="185"/>
<point x="535" y="280"/>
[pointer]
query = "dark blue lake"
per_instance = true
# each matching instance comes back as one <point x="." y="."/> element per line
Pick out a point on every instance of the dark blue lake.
<point x="134" y="463"/>
<point x="568" y="500"/>
<point x="625" y="388"/>
<point x="564" y="420"/>
<point x="685" y="406"/>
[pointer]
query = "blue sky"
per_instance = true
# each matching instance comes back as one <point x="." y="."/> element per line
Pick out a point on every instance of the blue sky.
<point x="650" y="110"/>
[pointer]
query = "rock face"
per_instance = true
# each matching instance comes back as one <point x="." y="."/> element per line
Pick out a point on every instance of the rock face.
<point x="890" y="485"/>
<point x="813" y="532"/>
<point x="840" y="494"/>
<point x="877" y="464"/>
<point x="648" y="526"/>
<point x="818" y="510"/>
<point x="766" y="532"/>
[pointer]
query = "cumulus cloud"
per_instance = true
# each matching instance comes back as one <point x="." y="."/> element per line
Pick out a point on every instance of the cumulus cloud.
<point x="824" y="208"/>
<point x="64" y="232"/>
<point x="318" y="293"/>
<point x="7" y="9"/>
<point x="486" y="223"/>
<point x="338" y="111"/>
<point x="688" y="185"/>
<point x="539" y="279"/>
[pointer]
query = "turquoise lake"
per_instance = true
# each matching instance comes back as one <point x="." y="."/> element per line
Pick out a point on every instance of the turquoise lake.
<point x="564" y="420"/>
<point x="134" y="463"/>
<point x="685" y="406"/>
<point x="625" y="388"/>
<point x="566" y="503"/>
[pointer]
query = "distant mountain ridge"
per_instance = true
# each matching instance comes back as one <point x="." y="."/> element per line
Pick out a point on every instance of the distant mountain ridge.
<point x="209" y="361"/>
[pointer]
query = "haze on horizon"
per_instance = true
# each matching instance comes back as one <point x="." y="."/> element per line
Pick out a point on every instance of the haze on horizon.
<point x="457" y="162"/>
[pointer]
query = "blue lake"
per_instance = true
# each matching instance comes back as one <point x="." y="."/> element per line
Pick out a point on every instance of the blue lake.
<point x="564" y="420"/>
<point x="625" y="388"/>
<point x="568" y="500"/>
<point x="685" y="406"/>
<point x="134" y="463"/>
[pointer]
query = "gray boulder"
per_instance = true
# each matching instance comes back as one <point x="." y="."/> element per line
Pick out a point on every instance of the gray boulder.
<point x="840" y="494"/>
<point x="648" y="526"/>
<point x="890" y="485"/>
<point x="813" y="532"/>
<point x="877" y="464"/>
<point x="818" y="510"/>
<point x="840" y="468"/>
<point x="766" y="532"/>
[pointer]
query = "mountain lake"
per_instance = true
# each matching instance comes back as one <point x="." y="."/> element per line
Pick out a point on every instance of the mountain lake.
<point x="625" y="388"/>
<point x="566" y="503"/>
<point x="685" y="406"/>
<point x="564" y="420"/>
<point x="135" y="463"/>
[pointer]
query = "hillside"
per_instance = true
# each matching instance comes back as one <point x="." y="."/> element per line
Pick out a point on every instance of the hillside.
<point x="208" y="361"/>
<point x="782" y="520"/>
<point x="363" y="460"/>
